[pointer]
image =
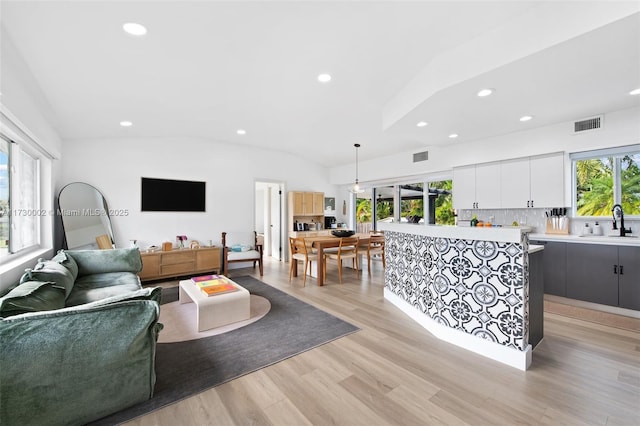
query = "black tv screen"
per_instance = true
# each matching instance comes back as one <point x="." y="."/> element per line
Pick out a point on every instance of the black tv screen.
<point x="168" y="195"/>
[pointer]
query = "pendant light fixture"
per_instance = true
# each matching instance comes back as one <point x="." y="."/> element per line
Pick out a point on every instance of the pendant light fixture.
<point x="355" y="189"/>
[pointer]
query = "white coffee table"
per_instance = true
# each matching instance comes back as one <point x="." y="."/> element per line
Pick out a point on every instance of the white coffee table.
<point x="218" y="310"/>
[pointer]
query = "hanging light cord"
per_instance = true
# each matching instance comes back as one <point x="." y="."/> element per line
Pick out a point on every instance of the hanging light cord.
<point x="357" y="145"/>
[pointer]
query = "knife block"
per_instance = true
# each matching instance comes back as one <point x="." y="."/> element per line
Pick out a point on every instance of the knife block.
<point x="562" y="227"/>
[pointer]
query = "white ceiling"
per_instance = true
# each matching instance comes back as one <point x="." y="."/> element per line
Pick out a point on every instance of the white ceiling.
<point x="208" y="68"/>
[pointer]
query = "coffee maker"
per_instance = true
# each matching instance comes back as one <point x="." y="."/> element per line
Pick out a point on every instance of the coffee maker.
<point x="329" y="222"/>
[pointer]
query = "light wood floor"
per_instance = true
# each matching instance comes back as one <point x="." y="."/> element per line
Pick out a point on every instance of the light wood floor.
<point x="393" y="372"/>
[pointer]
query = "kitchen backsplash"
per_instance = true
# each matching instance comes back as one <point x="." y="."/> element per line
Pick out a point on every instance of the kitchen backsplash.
<point x="536" y="219"/>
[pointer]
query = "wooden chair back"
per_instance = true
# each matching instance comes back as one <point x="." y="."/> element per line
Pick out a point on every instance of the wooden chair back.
<point x="376" y="243"/>
<point x="348" y="246"/>
<point x="375" y="248"/>
<point x="298" y="245"/>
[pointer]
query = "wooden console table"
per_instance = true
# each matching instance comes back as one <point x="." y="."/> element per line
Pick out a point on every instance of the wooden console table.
<point x="175" y="263"/>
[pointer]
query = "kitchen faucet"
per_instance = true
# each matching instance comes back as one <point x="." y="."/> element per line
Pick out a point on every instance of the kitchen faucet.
<point x="619" y="214"/>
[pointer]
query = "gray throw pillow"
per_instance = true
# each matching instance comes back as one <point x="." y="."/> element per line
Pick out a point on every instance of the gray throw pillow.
<point x="66" y="260"/>
<point x="49" y="270"/>
<point x="32" y="296"/>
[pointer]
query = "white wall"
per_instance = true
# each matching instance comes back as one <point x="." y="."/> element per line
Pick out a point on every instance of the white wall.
<point x="620" y="128"/>
<point x="115" y="167"/>
<point x="23" y="99"/>
<point x="26" y="116"/>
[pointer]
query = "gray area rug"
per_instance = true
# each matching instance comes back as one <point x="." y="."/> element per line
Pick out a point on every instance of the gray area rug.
<point x="291" y="327"/>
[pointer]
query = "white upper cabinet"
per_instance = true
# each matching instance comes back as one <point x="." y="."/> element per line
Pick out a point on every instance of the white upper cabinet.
<point x="515" y="183"/>
<point x="487" y="192"/>
<point x="522" y="183"/>
<point x="536" y="182"/>
<point x="547" y="181"/>
<point x="474" y="187"/>
<point x="464" y="187"/>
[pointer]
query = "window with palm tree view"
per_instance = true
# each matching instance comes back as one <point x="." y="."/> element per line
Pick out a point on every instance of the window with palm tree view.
<point x="606" y="180"/>
<point x="412" y="208"/>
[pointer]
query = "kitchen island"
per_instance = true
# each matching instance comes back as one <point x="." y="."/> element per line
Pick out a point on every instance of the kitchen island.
<point x="478" y="288"/>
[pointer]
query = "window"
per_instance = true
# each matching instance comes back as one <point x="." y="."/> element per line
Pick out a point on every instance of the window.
<point x="412" y="203"/>
<point x="365" y="208"/>
<point x="384" y="202"/>
<point x="5" y="183"/>
<point x="410" y="199"/>
<point x="19" y="198"/>
<point x="604" y="178"/>
<point x="441" y="200"/>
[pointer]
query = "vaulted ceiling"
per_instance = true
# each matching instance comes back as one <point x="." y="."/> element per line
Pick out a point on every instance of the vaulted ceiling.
<point x="208" y="68"/>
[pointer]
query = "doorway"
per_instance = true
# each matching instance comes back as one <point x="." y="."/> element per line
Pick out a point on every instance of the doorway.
<point x="269" y="204"/>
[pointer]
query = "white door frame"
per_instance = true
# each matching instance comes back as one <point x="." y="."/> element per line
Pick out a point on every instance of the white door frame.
<point x="273" y="216"/>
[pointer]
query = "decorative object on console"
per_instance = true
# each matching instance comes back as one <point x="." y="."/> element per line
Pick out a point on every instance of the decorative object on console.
<point x="195" y="244"/>
<point x="167" y="246"/>
<point x="181" y="239"/>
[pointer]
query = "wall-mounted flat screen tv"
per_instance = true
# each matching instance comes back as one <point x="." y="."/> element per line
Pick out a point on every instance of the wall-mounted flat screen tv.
<point x="169" y="195"/>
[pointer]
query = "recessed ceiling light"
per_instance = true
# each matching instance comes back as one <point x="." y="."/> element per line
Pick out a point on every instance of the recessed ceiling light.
<point x="126" y="123"/>
<point x="635" y="92"/>
<point x="422" y="124"/>
<point x="526" y="118"/>
<point x="241" y="132"/>
<point x="134" y="29"/>
<point x="485" y="92"/>
<point x="324" y="78"/>
<point x="453" y="135"/>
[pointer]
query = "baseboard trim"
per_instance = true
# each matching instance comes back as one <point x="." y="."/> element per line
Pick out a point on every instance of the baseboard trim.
<point x="593" y="306"/>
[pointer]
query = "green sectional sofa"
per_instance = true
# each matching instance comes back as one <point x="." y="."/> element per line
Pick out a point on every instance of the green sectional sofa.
<point x="77" y="339"/>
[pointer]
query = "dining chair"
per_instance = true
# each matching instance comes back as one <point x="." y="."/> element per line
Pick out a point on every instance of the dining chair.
<point x="300" y="251"/>
<point x="375" y="247"/>
<point x="348" y="249"/>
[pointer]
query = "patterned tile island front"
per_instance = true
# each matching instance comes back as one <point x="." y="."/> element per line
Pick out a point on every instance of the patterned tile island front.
<point x="468" y="286"/>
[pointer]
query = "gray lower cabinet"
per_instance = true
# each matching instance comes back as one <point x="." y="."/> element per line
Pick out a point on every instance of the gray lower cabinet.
<point x="598" y="273"/>
<point x="555" y="267"/>
<point x="629" y="277"/>
<point x="592" y="273"/>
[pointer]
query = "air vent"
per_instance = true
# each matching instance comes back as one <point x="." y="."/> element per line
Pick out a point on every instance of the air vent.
<point x="588" y="124"/>
<point x="420" y="156"/>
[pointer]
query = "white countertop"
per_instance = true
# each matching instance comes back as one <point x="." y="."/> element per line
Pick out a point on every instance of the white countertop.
<point x="508" y="234"/>
<point x="534" y="248"/>
<point x="594" y="239"/>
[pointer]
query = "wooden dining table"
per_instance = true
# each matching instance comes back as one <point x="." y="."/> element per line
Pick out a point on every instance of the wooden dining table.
<point x="324" y="242"/>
